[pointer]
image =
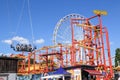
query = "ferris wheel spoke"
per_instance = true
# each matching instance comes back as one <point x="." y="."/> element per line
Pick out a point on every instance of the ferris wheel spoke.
<point x="66" y="35"/>
<point x="61" y="37"/>
<point x="62" y="33"/>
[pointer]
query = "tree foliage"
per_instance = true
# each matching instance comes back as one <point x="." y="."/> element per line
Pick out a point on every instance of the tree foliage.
<point x="117" y="57"/>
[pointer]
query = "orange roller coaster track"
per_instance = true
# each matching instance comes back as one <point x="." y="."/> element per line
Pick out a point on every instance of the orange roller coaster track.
<point x="93" y="49"/>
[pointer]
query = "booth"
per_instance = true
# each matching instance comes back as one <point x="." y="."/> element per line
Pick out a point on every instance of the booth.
<point x="59" y="74"/>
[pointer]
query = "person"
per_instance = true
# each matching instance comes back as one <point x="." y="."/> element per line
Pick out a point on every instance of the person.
<point x="84" y="78"/>
<point x="60" y="79"/>
<point x="92" y="78"/>
<point x="22" y="47"/>
<point x="29" y="48"/>
<point x="119" y="77"/>
<point x="18" y="47"/>
<point x="25" y="47"/>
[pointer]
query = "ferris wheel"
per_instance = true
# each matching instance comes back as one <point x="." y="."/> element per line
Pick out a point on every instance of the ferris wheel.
<point x="62" y="33"/>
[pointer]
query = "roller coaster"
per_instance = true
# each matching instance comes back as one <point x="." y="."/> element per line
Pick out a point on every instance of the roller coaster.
<point x="86" y="43"/>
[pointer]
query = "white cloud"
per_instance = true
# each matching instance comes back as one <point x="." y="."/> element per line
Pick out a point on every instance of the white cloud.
<point x="20" y="40"/>
<point x="7" y="41"/>
<point x="39" y="41"/>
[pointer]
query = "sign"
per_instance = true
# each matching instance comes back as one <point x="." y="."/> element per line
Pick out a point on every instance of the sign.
<point x="77" y="72"/>
<point x="3" y="77"/>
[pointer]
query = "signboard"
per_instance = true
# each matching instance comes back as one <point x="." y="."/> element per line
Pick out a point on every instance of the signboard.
<point x="8" y="76"/>
<point x="77" y="72"/>
<point x="3" y="78"/>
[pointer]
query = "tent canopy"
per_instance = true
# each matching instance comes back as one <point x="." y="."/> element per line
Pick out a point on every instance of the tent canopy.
<point x="51" y="76"/>
<point x="61" y="71"/>
<point x="93" y="72"/>
<point x="57" y="74"/>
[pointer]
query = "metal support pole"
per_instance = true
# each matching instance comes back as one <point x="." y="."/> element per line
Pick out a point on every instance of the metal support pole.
<point x="108" y="48"/>
<point x="100" y="23"/>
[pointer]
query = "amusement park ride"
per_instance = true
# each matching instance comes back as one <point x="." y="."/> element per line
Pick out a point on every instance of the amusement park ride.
<point x="85" y="43"/>
<point x="23" y="47"/>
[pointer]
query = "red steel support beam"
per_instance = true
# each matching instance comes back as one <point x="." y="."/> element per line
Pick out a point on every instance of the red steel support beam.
<point x="109" y="54"/>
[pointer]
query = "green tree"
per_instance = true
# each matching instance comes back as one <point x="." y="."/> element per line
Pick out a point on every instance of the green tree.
<point x="117" y="56"/>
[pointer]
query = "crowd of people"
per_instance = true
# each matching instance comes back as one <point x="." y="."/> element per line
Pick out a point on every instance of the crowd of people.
<point x="23" y="47"/>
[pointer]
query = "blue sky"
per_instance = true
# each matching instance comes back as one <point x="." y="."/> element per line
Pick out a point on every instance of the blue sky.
<point x="46" y="13"/>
